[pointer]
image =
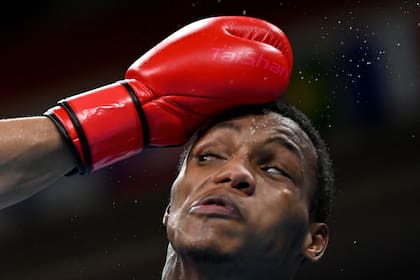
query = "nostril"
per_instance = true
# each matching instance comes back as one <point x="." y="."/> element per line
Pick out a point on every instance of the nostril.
<point x="226" y="180"/>
<point x="245" y="186"/>
<point x="236" y="184"/>
<point x="242" y="185"/>
<point x="237" y="175"/>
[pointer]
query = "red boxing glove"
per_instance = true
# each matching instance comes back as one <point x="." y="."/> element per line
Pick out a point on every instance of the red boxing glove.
<point x="195" y="74"/>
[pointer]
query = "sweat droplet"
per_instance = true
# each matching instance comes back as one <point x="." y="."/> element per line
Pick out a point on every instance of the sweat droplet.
<point x="253" y="127"/>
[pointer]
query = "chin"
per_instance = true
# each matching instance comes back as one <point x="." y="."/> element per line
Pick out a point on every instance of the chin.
<point x="207" y="255"/>
<point x="207" y="243"/>
<point x="207" y="238"/>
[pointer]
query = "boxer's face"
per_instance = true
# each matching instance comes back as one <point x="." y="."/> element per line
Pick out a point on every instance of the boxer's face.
<point x="245" y="188"/>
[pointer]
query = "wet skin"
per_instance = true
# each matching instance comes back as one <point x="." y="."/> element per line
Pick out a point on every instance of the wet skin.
<point x="244" y="191"/>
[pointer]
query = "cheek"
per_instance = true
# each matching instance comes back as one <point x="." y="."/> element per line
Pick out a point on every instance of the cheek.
<point x="181" y="191"/>
<point x="188" y="182"/>
<point x="173" y="225"/>
<point x="280" y="214"/>
<point x="179" y="194"/>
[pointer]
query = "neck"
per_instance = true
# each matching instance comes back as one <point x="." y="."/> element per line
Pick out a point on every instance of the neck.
<point x="179" y="267"/>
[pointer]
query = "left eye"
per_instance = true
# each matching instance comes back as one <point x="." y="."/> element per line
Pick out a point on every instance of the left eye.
<point x="274" y="170"/>
<point x="271" y="169"/>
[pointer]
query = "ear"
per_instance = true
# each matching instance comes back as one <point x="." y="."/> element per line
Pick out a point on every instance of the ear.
<point x="166" y="215"/>
<point x="316" y="241"/>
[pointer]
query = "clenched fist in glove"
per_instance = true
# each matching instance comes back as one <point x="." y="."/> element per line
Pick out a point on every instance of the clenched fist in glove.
<point x="195" y="74"/>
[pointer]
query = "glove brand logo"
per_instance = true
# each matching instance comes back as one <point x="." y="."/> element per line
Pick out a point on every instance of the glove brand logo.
<point x="251" y="59"/>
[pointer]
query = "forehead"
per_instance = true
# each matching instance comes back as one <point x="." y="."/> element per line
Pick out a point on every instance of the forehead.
<point x="263" y="126"/>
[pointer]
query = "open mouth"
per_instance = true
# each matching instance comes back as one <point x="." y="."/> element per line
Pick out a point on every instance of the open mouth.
<point x="216" y="206"/>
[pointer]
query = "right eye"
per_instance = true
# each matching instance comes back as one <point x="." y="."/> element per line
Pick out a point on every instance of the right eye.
<point x="207" y="156"/>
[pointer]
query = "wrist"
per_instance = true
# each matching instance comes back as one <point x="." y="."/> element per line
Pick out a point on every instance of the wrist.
<point x="102" y="126"/>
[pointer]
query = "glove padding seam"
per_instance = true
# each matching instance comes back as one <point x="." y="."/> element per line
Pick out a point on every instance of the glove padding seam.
<point x="82" y="136"/>
<point x="140" y="112"/>
<point x="67" y="138"/>
<point x="182" y="115"/>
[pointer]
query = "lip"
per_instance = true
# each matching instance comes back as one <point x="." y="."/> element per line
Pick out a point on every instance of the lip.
<point x="216" y="205"/>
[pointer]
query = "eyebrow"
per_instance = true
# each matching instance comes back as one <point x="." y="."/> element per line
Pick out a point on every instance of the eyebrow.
<point x="287" y="144"/>
<point x="276" y="139"/>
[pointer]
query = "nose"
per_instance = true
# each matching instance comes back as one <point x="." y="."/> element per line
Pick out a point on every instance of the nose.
<point x="237" y="174"/>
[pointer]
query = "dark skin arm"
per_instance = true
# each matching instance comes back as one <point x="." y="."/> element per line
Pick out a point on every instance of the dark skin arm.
<point x="32" y="155"/>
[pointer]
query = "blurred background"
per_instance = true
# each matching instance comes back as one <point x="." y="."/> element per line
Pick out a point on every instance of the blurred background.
<point x="356" y="75"/>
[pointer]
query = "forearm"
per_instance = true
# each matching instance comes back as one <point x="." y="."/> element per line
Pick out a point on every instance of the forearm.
<point x="32" y="155"/>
